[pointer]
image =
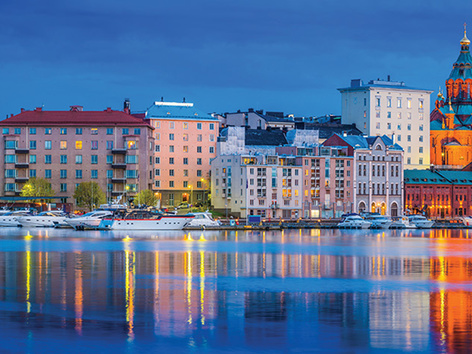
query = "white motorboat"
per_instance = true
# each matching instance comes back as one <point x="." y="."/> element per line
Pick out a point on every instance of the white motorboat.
<point x="467" y="221"/>
<point x="88" y="221"/>
<point x="378" y="221"/>
<point x="146" y="220"/>
<point x="420" y="221"/>
<point x="203" y="219"/>
<point x="354" y="222"/>
<point x="43" y="219"/>
<point x="11" y="218"/>
<point x="402" y="222"/>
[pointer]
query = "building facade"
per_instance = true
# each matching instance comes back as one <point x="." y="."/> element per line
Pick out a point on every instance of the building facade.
<point x="393" y="109"/>
<point x="377" y="176"/>
<point x="66" y="148"/>
<point x="451" y="119"/>
<point x="185" y="142"/>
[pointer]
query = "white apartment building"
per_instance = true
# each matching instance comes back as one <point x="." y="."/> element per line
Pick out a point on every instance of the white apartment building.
<point x="393" y="109"/>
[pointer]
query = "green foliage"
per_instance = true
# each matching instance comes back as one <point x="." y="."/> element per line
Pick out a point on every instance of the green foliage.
<point x="37" y="187"/>
<point x="146" y="197"/>
<point x="89" y="194"/>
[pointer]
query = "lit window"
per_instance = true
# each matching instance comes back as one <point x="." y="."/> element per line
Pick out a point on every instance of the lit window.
<point x="185" y="125"/>
<point x="185" y="137"/>
<point x="63" y="131"/>
<point x="185" y="148"/>
<point x="408" y="103"/>
<point x="131" y="145"/>
<point x="399" y="102"/>
<point x="78" y="145"/>
<point x="63" y="144"/>
<point x="94" y="131"/>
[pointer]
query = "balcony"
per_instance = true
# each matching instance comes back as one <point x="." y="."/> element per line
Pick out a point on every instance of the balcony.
<point x="21" y="164"/>
<point x="21" y="179"/>
<point x="118" y="180"/>
<point x="118" y="193"/>
<point x="119" y="151"/>
<point x="119" y="165"/>
<point x="22" y="151"/>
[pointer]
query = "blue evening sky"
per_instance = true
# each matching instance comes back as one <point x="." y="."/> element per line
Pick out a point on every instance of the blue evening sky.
<point x="288" y="56"/>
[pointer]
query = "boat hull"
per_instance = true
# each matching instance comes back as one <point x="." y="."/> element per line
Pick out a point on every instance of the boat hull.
<point x="163" y="223"/>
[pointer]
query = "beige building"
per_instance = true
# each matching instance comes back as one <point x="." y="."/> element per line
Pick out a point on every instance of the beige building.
<point x="185" y="142"/>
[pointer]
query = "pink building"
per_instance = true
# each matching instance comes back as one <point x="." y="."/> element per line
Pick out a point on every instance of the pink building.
<point x="185" y="142"/>
<point x="66" y="148"/>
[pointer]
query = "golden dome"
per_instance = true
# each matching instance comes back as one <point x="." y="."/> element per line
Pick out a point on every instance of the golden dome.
<point x="465" y="40"/>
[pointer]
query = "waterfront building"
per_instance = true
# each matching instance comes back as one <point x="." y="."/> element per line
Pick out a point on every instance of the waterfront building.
<point x="451" y="119"/>
<point x="325" y="130"/>
<point x="66" y="148"/>
<point x="185" y="142"/>
<point x="377" y="172"/>
<point x="384" y="107"/>
<point x="438" y="193"/>
<point x="256" y="119"/>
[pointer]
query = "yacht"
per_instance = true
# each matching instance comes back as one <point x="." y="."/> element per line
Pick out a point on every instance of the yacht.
<point x="354" y="222"/>
<point x="146" y="220"/>
<point x="203" y="219"/>
<point x="420" y="221"/>
<point x="11" y="218"/>
<point x="43" y="219"/>
<point x="402" y="222"/>
<point x="88" y="221"/>
<point x="379" y="221"/>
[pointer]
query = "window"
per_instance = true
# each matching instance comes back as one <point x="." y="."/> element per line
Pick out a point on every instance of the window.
<point x="157" y="172"/>
<point x="399" y="102"/>
<point x="48" y="145"/>
<point x="420" y="149"/>
<point x="94" y="159"/>
<point x="78" y="159"/>
<point x="109" y="144"/>
<point x="78" y="174"/>
<point x="199" y="173"/>
<point x="109" y="131"/>
<point x="157" y="148"/>
<point x="421" y="127"/>
<point x="199" y="161"/>
<point x="399" y="115"/>
<point x="63" y="187"/>
<point x="171" y="173"/>
<point x="389" y="114"/>
<point x="171" y="160"/>
<point x="199" y="137"/>
<point x="171" y="184"/>
<point x="32" y="158"/>
<point x="94" y="174"/>
<point x="63" y="131"/>
<point x="408" y="138"/>
<point x="94" y="144"/>
<point x="185" y="173"/>
<point x="199" y="184"/>
<point x="17" y="131"/>
<point x="109" y="159"/>
<point x="185" y="125"/>
<point x="109" y="173"/>
<point x="185" y="184"/>
<point x="377" y="102"/>
<point x="63" y="159"/>
<point x="32" y="144"/>
<point x="78" y="144"/>
<point x="420" y="104"/>
<point x="185" y="137"/>
<point x="94" y="131"/>
<point x="212" y="150"/>
<point x="32" y="131"/>
<point x="63" y="173"/>
<point x="32" y="173"/>
<point x="185" y="161"/>
<point x="10" y="173"/>
<point x="421" y="138"/>
<point x="47" y="174"/>
<point x="131" y="159"/>
<point x="399" y="137"/>
<point x="408" y="103"/>
<point x="408" y="160"/>
<point x="185" y="148"/>
<point x="199" y="149"/>
<point x="171" y="136"/>
<point x="212" y="137"/>
<point x="421" y="161"/>
<point x="212" y="126"/>
<point x="47" y="159"/>
<point x="125" y="131"/>
<point x="171" y="148"/>
<point x="409" y="149"/>
<point x="47" y="131"/>
<point x="10" y="158"/>
<point x="389" y="126"/>
<point x="5" y="131"/>
<point x="389" y="102"/>
<point x="158" y="160"/>
<point x="63" y="145"/>
<point x="78" y="131"/>
<point x="137" y="131"/>
<point x="171" y="125"/>
<point x="199" y="126"/>
<point x="131" y="145"/>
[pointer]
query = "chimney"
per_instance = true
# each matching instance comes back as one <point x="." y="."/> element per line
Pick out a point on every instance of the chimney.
<point x="126" y="106"/>
<point x="184" y="99"/>
<point x="38" y="109"/>
<point x="22" y="110"/>
<point x="108" y="109"/>
<point x="388" y="77"/>
<point x="250" y="110"/>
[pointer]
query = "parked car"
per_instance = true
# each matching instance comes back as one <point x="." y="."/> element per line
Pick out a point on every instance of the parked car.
<point x="183" y="205"/>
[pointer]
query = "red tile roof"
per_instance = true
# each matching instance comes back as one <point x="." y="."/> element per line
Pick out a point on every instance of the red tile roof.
<point x="64" y="118"/>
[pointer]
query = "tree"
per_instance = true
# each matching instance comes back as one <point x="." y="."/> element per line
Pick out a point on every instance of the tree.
<point x="89" y="194"/>
<point x="37" y="187"/>
<point x="146" y="197"/>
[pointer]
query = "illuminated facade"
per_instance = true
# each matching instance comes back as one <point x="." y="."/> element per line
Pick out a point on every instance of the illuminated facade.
<point x="66" y="148"/>
<point x="451" y="119"/>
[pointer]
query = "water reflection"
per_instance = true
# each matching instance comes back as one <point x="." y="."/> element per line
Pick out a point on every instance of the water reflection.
<point x="405" y="290"/>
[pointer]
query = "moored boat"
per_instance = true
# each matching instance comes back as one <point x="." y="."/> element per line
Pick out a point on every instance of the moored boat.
<point x="354" y="222"/>
<point x="420" y="221"/>
<point x="88" y="221"/>
<point x="146" y="220"/>
<point x="402" y="222"/>
<point x="203" y="219"/>
<point x="378" y="221"/>
<point x="11" y="218"/>
<point x="43" y="219"/>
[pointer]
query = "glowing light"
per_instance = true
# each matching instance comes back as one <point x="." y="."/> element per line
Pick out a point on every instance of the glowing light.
<point x="202" y="287"/>
<point x="189" y="287"/>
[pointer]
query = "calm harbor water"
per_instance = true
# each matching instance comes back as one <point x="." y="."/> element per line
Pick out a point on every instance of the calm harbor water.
<point x="275" y="291"/>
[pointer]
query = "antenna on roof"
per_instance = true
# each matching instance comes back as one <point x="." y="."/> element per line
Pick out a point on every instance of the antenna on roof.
<point x="162" y="99"/>
<point x="184" y="99"/>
